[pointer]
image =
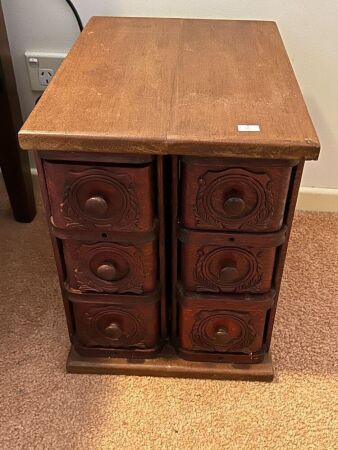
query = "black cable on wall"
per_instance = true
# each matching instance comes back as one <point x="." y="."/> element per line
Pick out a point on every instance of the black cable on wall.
<point x="76" y="14"/>
<point x="79" y="22"/>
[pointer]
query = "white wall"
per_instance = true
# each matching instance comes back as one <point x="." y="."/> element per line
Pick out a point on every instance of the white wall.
<point x="309" y="29"/>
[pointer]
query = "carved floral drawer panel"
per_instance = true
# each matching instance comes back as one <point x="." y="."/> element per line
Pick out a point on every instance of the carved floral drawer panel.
<point x="228" y="262"/>
<point x="230" y="324"/>
<point x="112" y="267"/>
<point x="127" y="325"/>
<point x="234" y="195"/>
<point x="100" y="196"/>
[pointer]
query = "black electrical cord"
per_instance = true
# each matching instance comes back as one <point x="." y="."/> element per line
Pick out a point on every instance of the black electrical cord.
<point x="76" y="14"/>
<point x="79" y="22"/>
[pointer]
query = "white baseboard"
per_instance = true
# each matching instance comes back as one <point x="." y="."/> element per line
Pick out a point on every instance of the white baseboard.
<point x="317" y="199"/>
<point x="309" y="198"/>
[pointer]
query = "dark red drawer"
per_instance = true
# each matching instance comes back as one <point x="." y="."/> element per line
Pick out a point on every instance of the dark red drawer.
<point x="231" y="324"/>
<point x="228" y="262"/>
<point x="230" y="195"/>
<point x="100" y="197"/>
<point x="109" y="267"/>
<point x="116" y="323"/>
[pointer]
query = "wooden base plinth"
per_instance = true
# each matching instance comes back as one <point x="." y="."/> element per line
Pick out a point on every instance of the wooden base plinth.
<point x="168" y="364"/>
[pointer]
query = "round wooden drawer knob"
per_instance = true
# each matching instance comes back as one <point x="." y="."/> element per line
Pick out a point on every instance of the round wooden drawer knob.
<point x="114" y="331"/>
<point x="234" y="206"/>
<point x="222" y="336"/>
<point x="229" y="274"/>
<point x="107" y="272"/>
<point x="96" y="206"/>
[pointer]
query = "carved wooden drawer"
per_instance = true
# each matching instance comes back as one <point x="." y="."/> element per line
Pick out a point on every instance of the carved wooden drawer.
<point x="110" y="267"/>
<point x="228" y="262"/>
<point x="232" y="195"/>
<point x="104" y="197"/>
<point x="231" y="324"/>
<point x="117" y="323"/>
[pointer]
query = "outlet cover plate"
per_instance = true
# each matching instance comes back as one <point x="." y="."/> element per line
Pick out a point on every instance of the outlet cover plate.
<point x="36" y="61"/>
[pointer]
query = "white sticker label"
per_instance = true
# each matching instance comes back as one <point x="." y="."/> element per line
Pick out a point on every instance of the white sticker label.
<point x="249" y="128"/>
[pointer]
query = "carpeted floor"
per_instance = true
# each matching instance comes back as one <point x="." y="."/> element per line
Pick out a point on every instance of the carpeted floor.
<point x="43" y="407"/>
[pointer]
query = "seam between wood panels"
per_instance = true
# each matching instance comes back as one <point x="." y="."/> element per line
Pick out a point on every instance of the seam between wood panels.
<point x="174" y="82"/>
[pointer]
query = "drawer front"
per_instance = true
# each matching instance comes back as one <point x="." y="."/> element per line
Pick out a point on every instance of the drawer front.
<point x="100" y="197"/>
<point x="230" y="325"/>
<point x="225" y="262"/>
<point x="223" y="196"/>
<point x="107" y="267"/>
<point x="121" y="325"/>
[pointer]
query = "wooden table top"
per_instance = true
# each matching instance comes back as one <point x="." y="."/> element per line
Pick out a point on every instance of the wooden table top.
<point x="175" y="86"/>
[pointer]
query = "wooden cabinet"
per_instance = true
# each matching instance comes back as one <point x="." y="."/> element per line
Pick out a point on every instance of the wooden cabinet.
<point x="102" y="214"/>
<point x="170" y="163"/>
<point x="235" y="222"/>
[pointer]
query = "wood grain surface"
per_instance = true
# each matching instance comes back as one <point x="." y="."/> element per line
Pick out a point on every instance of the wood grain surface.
<point x="175" y="86"/>
<point x="168" y="364"/>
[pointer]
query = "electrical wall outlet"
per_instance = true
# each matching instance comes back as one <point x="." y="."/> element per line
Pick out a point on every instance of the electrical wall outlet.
<point x="41" y="67"/>
<point x="45" y="76"/>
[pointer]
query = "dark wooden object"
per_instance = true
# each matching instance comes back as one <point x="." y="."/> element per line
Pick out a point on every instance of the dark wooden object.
<point x="169" y="364"/>
<point x="230" y="195"/>
<point x="228" y="329"/>
<point x="14" y="164"/>
<point x="228" y="262"/>
<point x="169" y="223"/>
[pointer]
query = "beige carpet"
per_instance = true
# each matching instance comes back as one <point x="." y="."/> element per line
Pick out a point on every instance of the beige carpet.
<point x="43" y="407"/>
